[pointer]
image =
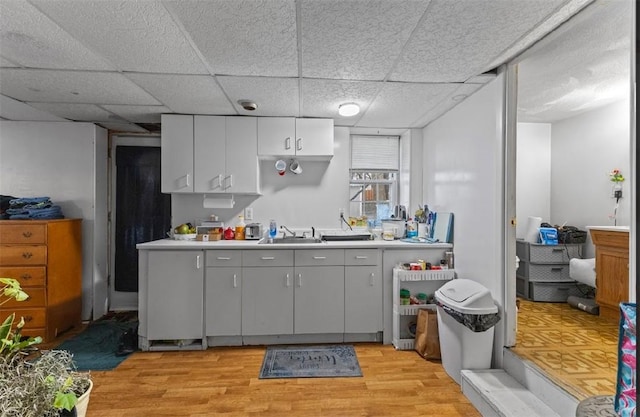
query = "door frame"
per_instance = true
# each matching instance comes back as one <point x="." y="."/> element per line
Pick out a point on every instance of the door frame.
<point x="119" y="300"/>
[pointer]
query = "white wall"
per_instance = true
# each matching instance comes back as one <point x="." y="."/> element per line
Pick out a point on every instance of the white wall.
<point x="463" y="154"/>
<point x="67" y="162"/>
<point x="312" y="198"/>
<point x="533" y="174"/>
<point x="584" y="149"/>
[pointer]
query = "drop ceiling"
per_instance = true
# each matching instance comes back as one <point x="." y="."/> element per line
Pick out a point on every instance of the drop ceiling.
<point x="121" y="64"/>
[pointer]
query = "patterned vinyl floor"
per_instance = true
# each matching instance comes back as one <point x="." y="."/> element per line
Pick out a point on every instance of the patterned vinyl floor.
<point x="578" y="350"/>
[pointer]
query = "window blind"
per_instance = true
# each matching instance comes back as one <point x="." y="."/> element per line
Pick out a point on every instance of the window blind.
<point x="375" y="152"/>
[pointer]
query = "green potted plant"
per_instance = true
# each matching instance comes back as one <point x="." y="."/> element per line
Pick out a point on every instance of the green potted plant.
<point x="36" y="383"/>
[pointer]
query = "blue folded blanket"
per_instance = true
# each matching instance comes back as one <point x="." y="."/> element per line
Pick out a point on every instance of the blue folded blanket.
<point x="28" y="200"/>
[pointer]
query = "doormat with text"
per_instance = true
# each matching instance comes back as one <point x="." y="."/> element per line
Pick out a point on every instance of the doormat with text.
<point x="324" y="361"/>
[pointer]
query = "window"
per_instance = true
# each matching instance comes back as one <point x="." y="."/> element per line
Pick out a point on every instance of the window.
<point x="373" y="183"/>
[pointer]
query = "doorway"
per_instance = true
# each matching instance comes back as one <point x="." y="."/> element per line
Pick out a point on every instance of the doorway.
<point x="140" y="212"/>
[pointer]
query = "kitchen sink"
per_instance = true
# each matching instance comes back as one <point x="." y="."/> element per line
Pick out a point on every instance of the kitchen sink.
<point x="291" y="240"/>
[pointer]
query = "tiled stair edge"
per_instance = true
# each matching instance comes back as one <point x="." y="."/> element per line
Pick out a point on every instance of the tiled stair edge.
<point x="537" y="381"/>
<point x="497" y="394"/>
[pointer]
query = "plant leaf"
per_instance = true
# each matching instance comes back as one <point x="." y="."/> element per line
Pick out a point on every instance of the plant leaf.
<point x="66" y="400"/>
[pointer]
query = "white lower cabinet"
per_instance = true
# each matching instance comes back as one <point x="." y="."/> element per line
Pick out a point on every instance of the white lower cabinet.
<point x="174" y="295"/>
<point x="319" y="299"/>
<point x="267" y="292"/>
<point x="223" y="293"/>
<point x="362" y="291"/>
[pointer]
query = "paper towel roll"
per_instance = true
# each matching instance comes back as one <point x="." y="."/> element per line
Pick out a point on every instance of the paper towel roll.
<point x="533" y="229"/>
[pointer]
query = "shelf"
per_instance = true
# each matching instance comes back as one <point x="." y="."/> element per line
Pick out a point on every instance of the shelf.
<point x="412" y="310"/>
<point x="403" y="344"/>
<point x="428" y="275"/>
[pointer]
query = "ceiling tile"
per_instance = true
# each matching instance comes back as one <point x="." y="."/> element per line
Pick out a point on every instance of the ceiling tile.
<point x="321" y="98"/>
<point x="455" y="97"/>
<point x="458" y="40"/>
<point x="189" y="94"/>
<point x="274" y="96"/>
<point x="4" y="62"/>
<point x="358" y="40"/>
<point x="243" y="37"/>
<point x="132" y="35"/>
<point x="71" y="87"/>
<point x="77" y="112"/>
<point x="31" y="39"/>
<point x="401" y="104"/>
<point x="138" y="114"/>
<point x="11" y="109"/>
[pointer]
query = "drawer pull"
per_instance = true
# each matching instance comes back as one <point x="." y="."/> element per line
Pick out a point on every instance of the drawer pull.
<point x="25" y="276"/>
<point x="27" y="255"/>
<point x="361" y="257"/>
<point x="557" y="269"/>
<point x="557" y="250"/>
<point x="319" y="257"/>
<point x="223" y="258"/>
<point x="26" y="234"/>
<point x="267" y="258"/>
<point x="28" y="318"/>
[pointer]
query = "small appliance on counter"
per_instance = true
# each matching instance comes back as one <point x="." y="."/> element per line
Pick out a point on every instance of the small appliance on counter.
<point x="397" y="226"/>
<point x="253" y="231"/>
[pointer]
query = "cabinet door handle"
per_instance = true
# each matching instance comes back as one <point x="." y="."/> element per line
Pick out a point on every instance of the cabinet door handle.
<point x="25" y="276"/>
<point x="286" y="280"/>
<point x="299" y="280"/>
<point x="371" y="279"/>
<point x="235" y="281"/>
<point x="361" y="257"/>
<point x="228" y="184"/>
<point x="267" y="258"/>
<point x="26" y="234"/>
<point x="198" y="262"/>
<point x="216" y="182"/>
<point x="223" y="258"/>
<point x="319" y="257"/>
<point x="287" y="143"/>
<point x="27" y="255"/>
<point x="184" y="181"/>
<point x="299" y="144"/>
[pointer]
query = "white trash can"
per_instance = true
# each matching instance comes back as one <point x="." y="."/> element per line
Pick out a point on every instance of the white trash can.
<point x="466" y="319"/>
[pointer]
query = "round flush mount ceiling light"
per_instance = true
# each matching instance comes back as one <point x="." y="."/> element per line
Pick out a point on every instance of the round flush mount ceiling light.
<point x="348" y="109"/>
<point x="248" y="105"/>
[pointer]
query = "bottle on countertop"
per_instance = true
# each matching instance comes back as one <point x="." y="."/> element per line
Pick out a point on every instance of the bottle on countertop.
<point x="273" y="229"/>
<point x="240" y="228"/>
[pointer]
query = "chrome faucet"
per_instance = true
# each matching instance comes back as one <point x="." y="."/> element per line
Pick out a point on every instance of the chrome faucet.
<point x="293" y="234"/>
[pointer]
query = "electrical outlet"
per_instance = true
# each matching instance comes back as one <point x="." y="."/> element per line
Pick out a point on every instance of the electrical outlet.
<point x="341" y="212"/>
<point x="617" y="194"/>
<point x="248" y="213"/>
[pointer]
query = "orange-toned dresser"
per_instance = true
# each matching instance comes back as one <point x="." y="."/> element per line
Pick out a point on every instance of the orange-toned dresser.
<point x="46" y="257"/>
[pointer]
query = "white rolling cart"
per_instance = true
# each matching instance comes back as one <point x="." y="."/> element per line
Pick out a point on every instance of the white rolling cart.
<point x="403" y="315"/>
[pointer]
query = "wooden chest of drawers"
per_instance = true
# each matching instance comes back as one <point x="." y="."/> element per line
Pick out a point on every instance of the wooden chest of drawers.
<point x="45" y="256"/>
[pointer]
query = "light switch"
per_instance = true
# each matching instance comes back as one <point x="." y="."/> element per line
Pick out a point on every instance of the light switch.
<point x="248" y="213"/>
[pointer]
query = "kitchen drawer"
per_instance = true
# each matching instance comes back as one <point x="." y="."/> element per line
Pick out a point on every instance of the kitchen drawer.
<point x="23" y="255"/>
<point x="223" y="258"/>
<point x="544" y="272"/>
<point x="37" y="298"/>
<point x="33" y="317"/>
<point x="319" y="257"/>
<point x="33" y="234"/>
<point x="273" y="257"/>
<point x="355" y="257"/>
<point x="27" y="276"/>
<point x="550" y="254"/>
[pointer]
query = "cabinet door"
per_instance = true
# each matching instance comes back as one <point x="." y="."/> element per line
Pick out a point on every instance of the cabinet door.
<point x="209" y="155"/>
<point x="362" y="299"/>
<point x="267" y="301"/>
<point x="174" y="303"/>
<point x="314" y="137"/>
<point x="242" y="155"/>
<point x="276" y="136"/>
<point x="319" y="299"/>
<point x="176" y="155"/>
<point x="223" y="301"/>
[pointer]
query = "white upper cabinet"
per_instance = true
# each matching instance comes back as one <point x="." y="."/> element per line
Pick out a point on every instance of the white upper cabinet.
<point x="209" y="154"/>
<point x="288" y="136"/>
<point x="177" y="153"/>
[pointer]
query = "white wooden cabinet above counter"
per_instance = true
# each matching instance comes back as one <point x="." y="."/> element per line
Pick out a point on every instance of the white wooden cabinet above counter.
<point x="289" y="136"/>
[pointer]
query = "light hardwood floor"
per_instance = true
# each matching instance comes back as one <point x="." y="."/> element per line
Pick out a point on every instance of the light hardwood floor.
<point x="224" y="382"/>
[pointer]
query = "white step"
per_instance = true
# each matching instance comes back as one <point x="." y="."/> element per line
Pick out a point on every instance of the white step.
<point x="497" y="394"/>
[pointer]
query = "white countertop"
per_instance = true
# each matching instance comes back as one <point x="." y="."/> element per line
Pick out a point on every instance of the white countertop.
<point x="253" y="244"/>
<point x="610" y="228"/>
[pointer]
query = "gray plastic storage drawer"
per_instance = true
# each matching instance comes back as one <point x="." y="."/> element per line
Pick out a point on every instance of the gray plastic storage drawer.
<point x="553" y="292"/>
<point x="522" y="287"/>
<point x="553" y="254"/>
<point x="544" y="272"/>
